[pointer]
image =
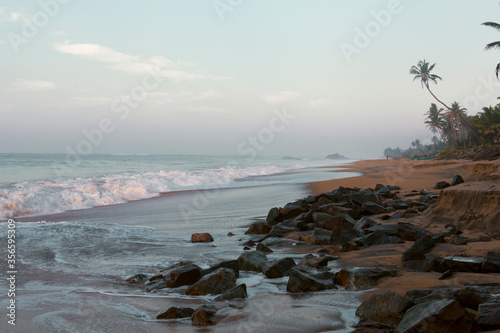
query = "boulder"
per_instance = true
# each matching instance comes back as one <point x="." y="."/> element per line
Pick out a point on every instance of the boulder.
<point x="137" y="279"/>
<point x="397" y="204"/>
<point x="321" y="236"/>
<point x="491" y="263"/>
<point x="408" y="232"/>
<point x="387" y="308"/>
<point x="252" y="261"/>
<point x="258" y="228"/>
<point x="460" y="264"/>
<point x="306" y="279"/>
<point x="274" y="216"/>
<point x="183" y="275"/>
<point x="360" y="278"/>
<point x="279" y="230"/>
<point x="364" y="223"/>
<point x="418" y="296"/>
<point x="441" y="185"/>
<point x="237" y="292"/>
<point x="262" y="248"/>
<point x="175" y="313"/>
<point x="377" y="238"/>
<point x="429" y="263"/>
<point x="316" y="261"/>
<point x="204" y="315"/>
<point x="270" y="241"/>
<point x="337" y="223"/>
<point x="472" y="296"/>
<point x="388" y="229"/>
<point x="443" y="316"/>
<point x="418" y="250"/>
<point x="371" y="208"/>
<point x="350" y="246"/>
<point x="201" y="238"/>
<point x="334" y="209"/>
<point x="488" y="316"/>
<point x="457" y="180"/>
<point x="346" y="235"/>
<point x="292" y="210"/>
<point x="279" y="268"/>
<point x="217" y="282"/>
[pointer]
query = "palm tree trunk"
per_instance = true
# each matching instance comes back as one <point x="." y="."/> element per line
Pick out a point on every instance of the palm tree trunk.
<point x="459" y="115"/>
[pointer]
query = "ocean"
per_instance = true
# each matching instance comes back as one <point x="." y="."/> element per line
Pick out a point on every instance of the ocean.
<point x="83" y="227"/>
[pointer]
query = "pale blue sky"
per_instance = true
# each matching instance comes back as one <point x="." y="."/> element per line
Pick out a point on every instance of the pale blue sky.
<point x="220" y="80"/>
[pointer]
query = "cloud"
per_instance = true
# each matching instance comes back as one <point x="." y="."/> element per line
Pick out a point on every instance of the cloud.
<point x="129" y="63"/>
<point x="280" y="97"/>
<point x="319" y="103"/>
<point x="33" y="85"/>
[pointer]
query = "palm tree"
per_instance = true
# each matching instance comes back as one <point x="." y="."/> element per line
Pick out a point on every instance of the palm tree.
<point x="457" y="116"/>
<point x="493" y="45"/>
<point x="435" y="120"/>
<point x="423" y="72"/>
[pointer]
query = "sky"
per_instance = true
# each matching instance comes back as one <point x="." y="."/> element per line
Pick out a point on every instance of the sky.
<point x="231" y="77"/>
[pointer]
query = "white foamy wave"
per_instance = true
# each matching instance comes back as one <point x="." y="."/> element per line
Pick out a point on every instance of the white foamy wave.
<point x="54" y="196"/>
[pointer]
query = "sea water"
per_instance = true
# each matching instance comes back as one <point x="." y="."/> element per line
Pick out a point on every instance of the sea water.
<point x="80" y="234"/>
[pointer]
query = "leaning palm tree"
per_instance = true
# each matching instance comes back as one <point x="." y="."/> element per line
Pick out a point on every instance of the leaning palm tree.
<point x="423" y="72"/>
<point x="435" y="120"/>
<point x="493" y="45"/>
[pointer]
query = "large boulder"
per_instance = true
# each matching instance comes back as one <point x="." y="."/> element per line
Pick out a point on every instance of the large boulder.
<point x="316" y="261"/>
<point x="472" y="296"/>
<point x="337" y="223"/>
<point x="488" y="316"/>
<point x="409" y="232"/>
<point x="183" y="276"/>
<point x="361" y="278"/>
<point x="258" y="228"/>
<point x="334" y="209"/>
<point x="306" y="279"/>
<point x="388" y="229"/>
<point x="321" y="237"/>
<point x="237" y="292"/>
<point x="363" y="223"/>
<point x="443" y="316"/>
<point x="214" y="283"/>
<point x="279" y="268"/>
<point x="371" y="208"/>
<point x="233" y="264"/>
<point x="418" y="250"/>
<point x="377" y="238"/>
<point x="460" y="264"/>
<point x="491" y="263"/>
<point x="201" y="238"/>
<point x="204" y="315"/>
<point x="254" y="261"/>
<point x="292" y="210"/>
<point x="274" y="216"/>
<point x="175" y="313"/>
<point x="441" y="185"/>
<point x="387" y="308"/>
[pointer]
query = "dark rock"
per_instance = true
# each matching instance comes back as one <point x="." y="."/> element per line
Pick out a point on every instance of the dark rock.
<point x="338" y="223"/>
<point x="183" y="275"/>
<point x="388" y="229"/>
<point x="387" y="308"/>
<point x="249" y="243"/>
<point x="350" y="246"/>
<point x="379" y="187"/>
<point x="321" y="236"/>
<point x="491" y="263"/>
<point x="418" y="296"/>
<point x="201" y="238"/>
<point x="137" y="279"/>
<point x="428" y="264"/>
<point x="446" y="275"/>
<point x="488" y="316"/>
<point x="460" y="264"/>
<point x="274" y="216"/>
<point x="443" y="316"/>
<point x="247" y="248"/>
<point x="472" y="296"/>
<point x="418" y="250"/>
<point x="217" y="282"/>
<point x="292" y="210"/>
<point x="175" y="313"/>
<point x="230" y="234"/>
<point x="304" y="279"/>
<point x="271" y="241"/>
<point x="425" y="199"/>
<point x="279" y="268"/>
<point x="394" y="188"/>
<point x="316" y="262"/>
<point x="362" y="197"/>
<point x="262" y="248"/>
<point x="334" y="209"/>
<point x="377" y="238"/>
<point x="320" y="218"/>
<point x="204" y="315"/>
<point x="360" y="278"/>
<point x="156" y="282"/>
<point x="441" y="185"/>
<point x="409" y="232"/>
<point x="364" y="223"/>
<point x="258" y="228"/>
<point x="252" y="261"/>
<point x="237" y="292"/>
<point x="336" y="157"/>
<point x="397" y="204"/>
<point x="310" y="199"/>
<point x="457" y="180"/>
<point x="370" y="208"/>
<point x="384" y="192"/>
<point x="279" y="230"/>
<point x="232" y="264"/>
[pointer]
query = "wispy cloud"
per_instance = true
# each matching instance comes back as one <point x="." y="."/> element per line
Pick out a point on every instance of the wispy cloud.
<point x="129" y="63"/>
<point x="33" y="85"/>
<point x="280" y="97"/>
<point x="317" y="103"/>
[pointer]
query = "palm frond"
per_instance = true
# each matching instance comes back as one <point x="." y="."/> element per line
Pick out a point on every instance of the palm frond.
<point x="492" y="45"/>
<point x="493" y="25"/>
